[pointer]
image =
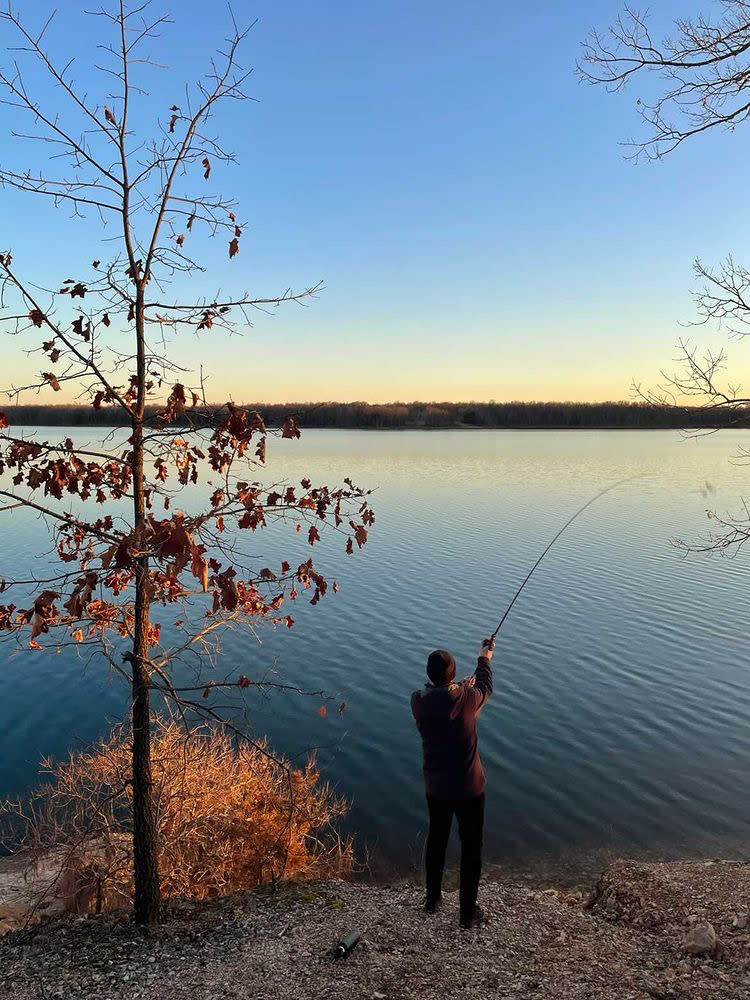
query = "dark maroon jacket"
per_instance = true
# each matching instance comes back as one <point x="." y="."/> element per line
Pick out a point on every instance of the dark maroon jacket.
<point x="446" y="718"/>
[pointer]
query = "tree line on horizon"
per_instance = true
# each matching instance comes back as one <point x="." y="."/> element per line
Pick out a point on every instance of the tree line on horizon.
<point x="435" y="415"/>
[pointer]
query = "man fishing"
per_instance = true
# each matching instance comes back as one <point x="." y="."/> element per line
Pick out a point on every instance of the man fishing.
<point x="446" y="716"/>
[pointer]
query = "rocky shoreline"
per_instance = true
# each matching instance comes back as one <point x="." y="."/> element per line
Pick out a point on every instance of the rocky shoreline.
<point x="669" y="931"/>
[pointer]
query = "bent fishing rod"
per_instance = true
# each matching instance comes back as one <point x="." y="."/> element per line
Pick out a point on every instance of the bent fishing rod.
<point x="567" y="524"/>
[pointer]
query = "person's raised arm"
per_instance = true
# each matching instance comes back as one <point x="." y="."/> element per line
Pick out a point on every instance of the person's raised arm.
<point x="483" y="674"/>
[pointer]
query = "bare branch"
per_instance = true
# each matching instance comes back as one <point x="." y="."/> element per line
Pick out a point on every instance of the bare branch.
<point x="705" y="67"/>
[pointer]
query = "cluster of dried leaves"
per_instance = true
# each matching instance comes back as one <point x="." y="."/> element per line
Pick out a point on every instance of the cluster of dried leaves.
<point x="103" y="332"/>
<point x="188" y="555"/>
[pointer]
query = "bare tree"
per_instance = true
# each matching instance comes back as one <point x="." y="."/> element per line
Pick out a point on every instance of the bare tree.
<point x="106" y="333"/>
<point x="704" y="69"/>
<point x="703" y="74"/>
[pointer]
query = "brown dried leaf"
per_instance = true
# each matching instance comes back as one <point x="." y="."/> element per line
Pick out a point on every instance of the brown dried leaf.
<point x="291" y="430"/>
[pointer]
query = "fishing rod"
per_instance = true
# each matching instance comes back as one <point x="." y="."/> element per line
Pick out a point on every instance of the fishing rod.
<point x="567" y="524"/>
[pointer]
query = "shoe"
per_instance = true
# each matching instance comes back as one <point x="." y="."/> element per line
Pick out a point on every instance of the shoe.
<point x="433" y="905"/>
<point x="477" y="917"/>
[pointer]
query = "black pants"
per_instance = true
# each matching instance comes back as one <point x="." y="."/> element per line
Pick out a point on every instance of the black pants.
<point x="470" y="815"/>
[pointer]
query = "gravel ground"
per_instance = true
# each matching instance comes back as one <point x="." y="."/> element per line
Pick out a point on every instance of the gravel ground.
<point x="624" y="942"/>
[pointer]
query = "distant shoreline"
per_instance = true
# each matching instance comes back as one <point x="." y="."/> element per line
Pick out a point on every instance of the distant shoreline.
<point x="419" y="416"/>
<point x="689" y="432"/>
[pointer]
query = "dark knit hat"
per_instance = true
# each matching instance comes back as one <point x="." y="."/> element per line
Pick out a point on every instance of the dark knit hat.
<point x="441" y="667"/>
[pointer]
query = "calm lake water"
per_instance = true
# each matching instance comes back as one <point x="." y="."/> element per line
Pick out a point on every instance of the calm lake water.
<point x="622" y="677"/>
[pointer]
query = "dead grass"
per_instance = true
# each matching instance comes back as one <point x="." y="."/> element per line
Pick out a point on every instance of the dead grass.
<point x="230" y="817"/>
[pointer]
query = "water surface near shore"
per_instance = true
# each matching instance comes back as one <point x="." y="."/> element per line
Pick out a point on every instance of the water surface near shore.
<point x="622" y="681"/>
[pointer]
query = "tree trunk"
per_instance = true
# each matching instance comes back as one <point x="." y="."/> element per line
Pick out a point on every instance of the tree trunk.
<point x="145" y="836"/>
<point x="145" y="833"/>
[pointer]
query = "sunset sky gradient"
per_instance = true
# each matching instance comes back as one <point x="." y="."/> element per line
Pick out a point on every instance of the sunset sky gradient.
<point x="462" y="196"/>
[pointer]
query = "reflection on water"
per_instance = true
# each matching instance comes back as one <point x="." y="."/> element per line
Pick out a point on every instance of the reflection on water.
<point x="619" y="722"/>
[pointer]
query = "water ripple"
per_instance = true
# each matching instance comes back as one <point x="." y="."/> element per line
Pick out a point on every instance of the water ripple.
<point x="622" y="688"/>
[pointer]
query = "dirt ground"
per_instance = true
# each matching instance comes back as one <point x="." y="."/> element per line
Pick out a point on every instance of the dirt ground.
<point x="626" y="940"/>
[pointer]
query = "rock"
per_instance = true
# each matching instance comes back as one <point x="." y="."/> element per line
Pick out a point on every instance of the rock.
<point x="700" y="939"/>
<point x="739" y="921"/>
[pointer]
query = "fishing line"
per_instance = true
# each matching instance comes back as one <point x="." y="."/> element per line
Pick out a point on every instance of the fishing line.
<point x="567" y="524"/>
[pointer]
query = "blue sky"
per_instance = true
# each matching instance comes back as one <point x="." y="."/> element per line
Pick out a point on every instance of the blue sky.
<point x="463" y="197"/>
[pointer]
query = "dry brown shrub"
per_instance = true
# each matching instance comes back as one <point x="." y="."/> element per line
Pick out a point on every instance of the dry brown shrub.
<point x="229" y="817"/>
